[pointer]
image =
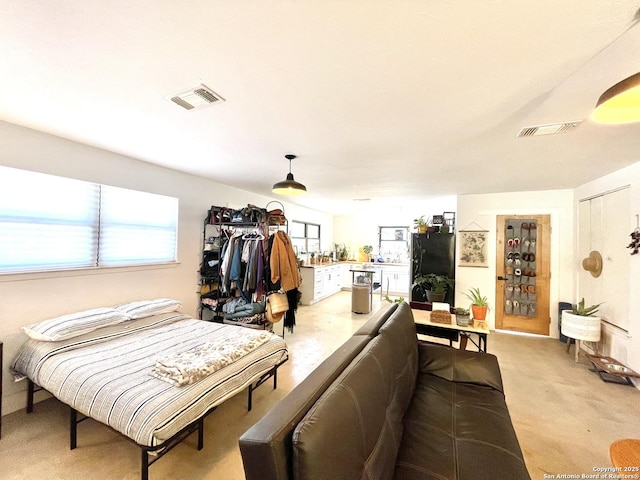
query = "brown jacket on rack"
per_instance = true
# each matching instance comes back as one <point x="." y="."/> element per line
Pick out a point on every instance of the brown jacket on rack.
<point x="283" y="262"/>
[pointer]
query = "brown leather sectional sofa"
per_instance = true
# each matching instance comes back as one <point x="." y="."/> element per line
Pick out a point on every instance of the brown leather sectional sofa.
<point x="388" y="406"/>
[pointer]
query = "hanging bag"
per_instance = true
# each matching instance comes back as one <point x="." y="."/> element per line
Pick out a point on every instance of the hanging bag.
<point x="275" y="216"/>
<point x="277" y="305"/>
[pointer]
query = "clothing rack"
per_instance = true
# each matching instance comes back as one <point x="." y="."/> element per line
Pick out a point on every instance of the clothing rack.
<point x="221" y="225"/>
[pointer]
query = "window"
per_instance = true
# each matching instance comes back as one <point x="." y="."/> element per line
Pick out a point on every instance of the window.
<point x="305" y="237"/>
<point x="54" y="223"/>
<point x="393" y="243"/>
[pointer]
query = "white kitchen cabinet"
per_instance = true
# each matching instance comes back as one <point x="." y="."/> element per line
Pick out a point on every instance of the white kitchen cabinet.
<point x="395" y="280"/>
<point x="320" y="282"/>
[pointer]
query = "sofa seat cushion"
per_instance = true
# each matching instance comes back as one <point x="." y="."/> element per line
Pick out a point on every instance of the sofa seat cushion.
<point x="458" y="431"/>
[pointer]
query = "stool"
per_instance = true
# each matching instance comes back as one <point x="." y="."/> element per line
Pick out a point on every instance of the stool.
<point x="625" y="453"/>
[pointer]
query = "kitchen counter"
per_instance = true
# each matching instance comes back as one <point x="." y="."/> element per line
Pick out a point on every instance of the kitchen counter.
<point x="371" y="265"/>
<point x="321" y="280"/>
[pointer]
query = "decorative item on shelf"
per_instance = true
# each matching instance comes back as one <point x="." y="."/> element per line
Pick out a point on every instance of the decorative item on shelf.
<point x="450" y="220"/>
<point x="593" y="263"/>
<point x="444" y="228"/>
<point x="420" y="224"/>
<point x="479" y="305"/>
<point x="581" y="324"/>
<point x="313" y="258"/>
<point x="289" y="186"/>
<point x="434" y="286"/>
<point x="463" y="319"/>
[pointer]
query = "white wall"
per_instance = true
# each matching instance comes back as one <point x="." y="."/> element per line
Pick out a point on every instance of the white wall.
<point x="627" y="176"/>
<point x="361" y="227"/>
<point x="28" y="298"/>
<point x="481" y="211"/>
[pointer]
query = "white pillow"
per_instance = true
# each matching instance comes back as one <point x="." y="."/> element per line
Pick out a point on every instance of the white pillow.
<point x="74" y="324"/>
<point x="146" y="308"/>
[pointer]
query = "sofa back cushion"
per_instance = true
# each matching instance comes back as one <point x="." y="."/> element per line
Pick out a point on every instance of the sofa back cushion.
<point x="266" y="447"/>
<point x="372" y="326"/>
<point x="354" y="429"/>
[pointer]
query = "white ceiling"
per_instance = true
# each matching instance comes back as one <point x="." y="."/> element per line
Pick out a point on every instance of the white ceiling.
<point x="378" y="99"/>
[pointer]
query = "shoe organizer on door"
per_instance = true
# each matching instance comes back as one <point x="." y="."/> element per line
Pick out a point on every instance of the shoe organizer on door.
<point x="520" y="267"/>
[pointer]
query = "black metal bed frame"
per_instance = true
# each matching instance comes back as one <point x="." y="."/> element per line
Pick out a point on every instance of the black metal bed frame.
<point x="165" y="447"/>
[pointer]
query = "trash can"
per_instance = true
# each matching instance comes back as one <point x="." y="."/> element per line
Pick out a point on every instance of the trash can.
<point x="360" y="299"/>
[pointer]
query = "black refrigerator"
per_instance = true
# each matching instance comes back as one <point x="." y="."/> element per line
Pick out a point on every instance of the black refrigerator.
<point x="432" y="253"/>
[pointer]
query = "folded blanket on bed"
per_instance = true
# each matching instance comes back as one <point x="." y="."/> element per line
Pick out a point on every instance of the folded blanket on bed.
<point x="199" y="362"/>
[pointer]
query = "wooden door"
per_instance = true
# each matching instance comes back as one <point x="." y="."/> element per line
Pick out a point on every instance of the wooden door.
<point x="523" y="273"/>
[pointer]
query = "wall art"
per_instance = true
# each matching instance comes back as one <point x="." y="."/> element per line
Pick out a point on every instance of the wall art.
<point x="473" y="248"/>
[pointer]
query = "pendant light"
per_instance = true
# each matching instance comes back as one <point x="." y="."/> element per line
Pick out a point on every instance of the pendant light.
<point x="289" y="186"/>
<point x="620" y="103"/>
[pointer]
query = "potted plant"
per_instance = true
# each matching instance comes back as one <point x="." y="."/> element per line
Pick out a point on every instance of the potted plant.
<point x="368" y="249"/>
<point x="462" y="317"/>
<point x="313" y="258"/>
<point x="581" y="323"/>
<point x="479" y="304"/>
<point x="420" y="224"/>
<point x="434" y="286"/>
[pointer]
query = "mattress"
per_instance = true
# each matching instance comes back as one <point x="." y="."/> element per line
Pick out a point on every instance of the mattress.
<point x="105" y="374"/>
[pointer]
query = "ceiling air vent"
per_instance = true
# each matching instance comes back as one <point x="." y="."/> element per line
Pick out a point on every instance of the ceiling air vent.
<point x="550" y="129"/>
<point x="196" y="97"/>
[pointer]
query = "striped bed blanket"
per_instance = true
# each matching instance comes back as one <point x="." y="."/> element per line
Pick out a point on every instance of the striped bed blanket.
<point x="106" y="374"/>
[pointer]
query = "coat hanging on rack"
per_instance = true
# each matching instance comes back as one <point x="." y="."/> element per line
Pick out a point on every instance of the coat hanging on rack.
<point x="282" y="273"/>
<point x="283" y="262"/>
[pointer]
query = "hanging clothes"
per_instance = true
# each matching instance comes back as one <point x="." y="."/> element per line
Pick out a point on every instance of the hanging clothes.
<point x="281" y="272"/>
<point x="260" y="269"/>
<point x="283" y="262"/>
<point x="242" y="260"/>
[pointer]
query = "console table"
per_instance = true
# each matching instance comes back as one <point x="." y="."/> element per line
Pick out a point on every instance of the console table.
<point x="451" y="332"/>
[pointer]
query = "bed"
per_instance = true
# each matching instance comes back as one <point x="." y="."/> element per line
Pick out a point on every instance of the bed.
<point x="107" y="374"/>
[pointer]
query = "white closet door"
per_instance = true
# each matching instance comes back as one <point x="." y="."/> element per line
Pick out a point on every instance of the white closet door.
<point x="604" y="226"/>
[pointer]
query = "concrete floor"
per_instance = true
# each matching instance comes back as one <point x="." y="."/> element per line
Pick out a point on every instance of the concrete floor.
<point x="565" y="416"/>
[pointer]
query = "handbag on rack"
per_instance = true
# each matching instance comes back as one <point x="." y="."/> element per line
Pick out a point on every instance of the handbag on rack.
<point x="275" y="216"/>
<point x="277" y="305"/>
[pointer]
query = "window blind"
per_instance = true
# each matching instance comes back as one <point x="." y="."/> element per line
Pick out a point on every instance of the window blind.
<point x="46" y="222"/>
<point x="51" y="223"/>
<point x="136" y="227"/>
